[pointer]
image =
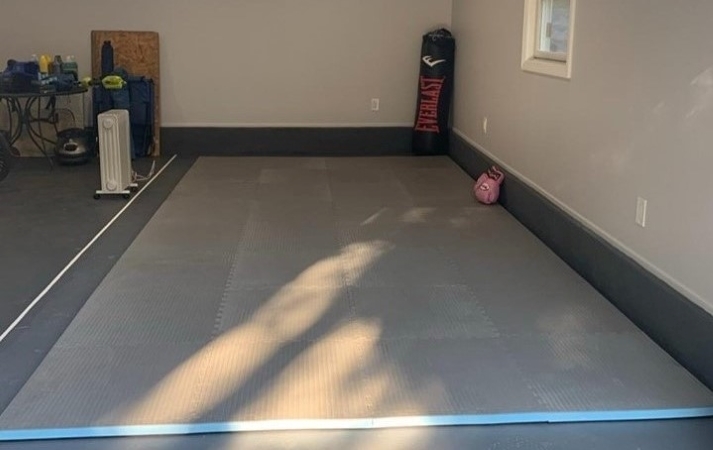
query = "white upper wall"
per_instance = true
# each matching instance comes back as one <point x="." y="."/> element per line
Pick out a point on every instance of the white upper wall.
<point x="259" y="62"/>
<point x="636" y="119"/>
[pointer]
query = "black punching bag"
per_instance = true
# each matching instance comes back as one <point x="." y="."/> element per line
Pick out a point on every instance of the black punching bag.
<point x="430" y="133"/>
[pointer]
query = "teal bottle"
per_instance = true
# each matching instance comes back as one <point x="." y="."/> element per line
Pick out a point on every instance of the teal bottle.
<point x="69" y="66"/>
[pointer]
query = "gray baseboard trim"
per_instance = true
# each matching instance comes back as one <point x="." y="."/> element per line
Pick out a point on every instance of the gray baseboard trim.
<point x="368" y="141"/>
<point x="679" y="326"/>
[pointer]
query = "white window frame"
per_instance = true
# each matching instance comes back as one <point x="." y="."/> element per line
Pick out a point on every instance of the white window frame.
<point x="546" y="63"/>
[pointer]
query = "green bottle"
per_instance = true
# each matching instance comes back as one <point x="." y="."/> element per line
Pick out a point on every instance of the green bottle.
<point x="69" y="66"/>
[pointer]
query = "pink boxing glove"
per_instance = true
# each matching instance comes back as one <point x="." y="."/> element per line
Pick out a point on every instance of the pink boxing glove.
<point x="487" y="188"/>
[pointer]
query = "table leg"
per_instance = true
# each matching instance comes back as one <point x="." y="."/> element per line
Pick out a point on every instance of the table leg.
<point x="15" y="126"/>
<point x="37" y="136"/>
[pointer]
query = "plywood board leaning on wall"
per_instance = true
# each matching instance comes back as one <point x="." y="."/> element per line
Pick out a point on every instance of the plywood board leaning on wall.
<point x="137" y="52"/>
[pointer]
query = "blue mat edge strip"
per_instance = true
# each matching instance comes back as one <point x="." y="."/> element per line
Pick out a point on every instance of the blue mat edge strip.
<point x="352" y="424"/>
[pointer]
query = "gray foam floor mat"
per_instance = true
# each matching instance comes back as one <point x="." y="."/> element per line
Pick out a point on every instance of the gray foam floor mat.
<point x="273" y="289"/>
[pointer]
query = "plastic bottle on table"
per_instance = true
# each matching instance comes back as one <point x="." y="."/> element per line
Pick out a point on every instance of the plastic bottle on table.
<point x="69" y="66"/>
<point x="107" y="58"/>
<point x="36" y="61"/>
<point x="44" y="64"/>
<point x="57" y="65"/>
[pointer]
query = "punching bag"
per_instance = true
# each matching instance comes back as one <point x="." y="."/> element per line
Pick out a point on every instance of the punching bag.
<point x="430" y="132"/>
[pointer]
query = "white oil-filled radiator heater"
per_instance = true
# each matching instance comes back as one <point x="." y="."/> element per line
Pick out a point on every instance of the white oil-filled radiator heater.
<point x="115" y="154"/>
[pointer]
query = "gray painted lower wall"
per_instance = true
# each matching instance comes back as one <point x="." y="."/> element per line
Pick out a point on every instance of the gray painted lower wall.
<point x="679" y="326"/>
<point x="370" y="141"/>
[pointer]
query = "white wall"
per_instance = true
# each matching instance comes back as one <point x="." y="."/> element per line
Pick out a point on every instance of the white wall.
<point x="636" y="119"/>
<point x="252" y="62"/>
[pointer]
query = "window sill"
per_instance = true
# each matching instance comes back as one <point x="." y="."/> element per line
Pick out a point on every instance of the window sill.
<point x="558" y="69"/>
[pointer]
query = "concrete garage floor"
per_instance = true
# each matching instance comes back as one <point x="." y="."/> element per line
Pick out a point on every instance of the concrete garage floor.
<point x="32" y="197"/>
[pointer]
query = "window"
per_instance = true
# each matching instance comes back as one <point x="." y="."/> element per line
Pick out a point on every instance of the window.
<point x="547" y="37"/>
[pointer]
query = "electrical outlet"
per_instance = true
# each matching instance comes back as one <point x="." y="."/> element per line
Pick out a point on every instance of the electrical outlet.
<point x="641" y="207"/>
<point x="485" y="125"/>
<point x="375" y="104"/>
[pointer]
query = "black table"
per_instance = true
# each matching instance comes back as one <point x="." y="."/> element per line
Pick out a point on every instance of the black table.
<point x="20" y="107"/>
